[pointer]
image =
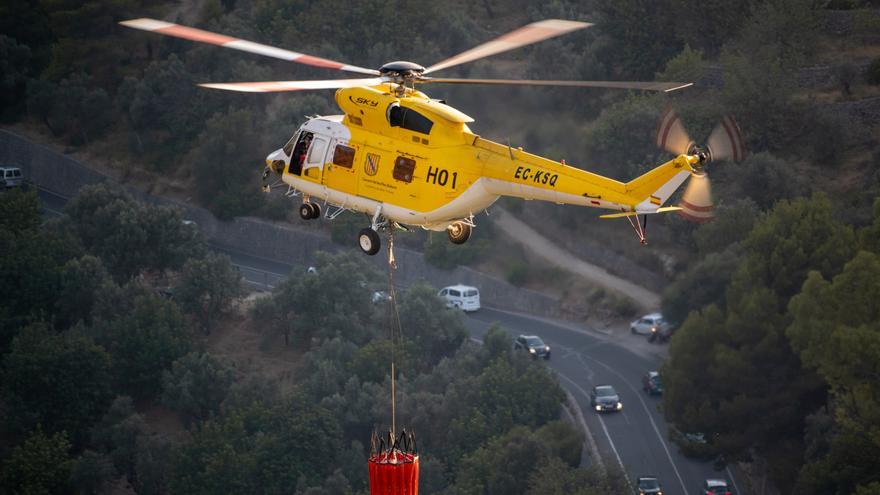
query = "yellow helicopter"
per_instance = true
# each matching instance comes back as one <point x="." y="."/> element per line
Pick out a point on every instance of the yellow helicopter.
<point x="405" y="159"/>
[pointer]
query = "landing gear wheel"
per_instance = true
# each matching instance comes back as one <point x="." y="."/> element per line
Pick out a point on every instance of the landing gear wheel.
<point x="459" y="232"/>
<point x="306" y="212"/>
<point x="316" y="210"/>
<point x="368" y="240"/>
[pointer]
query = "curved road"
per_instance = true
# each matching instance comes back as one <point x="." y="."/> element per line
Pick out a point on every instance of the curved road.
<point x="636" y="438"/>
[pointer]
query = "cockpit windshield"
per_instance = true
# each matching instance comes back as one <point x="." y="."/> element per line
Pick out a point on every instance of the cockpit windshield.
<point x="288" y="148"/>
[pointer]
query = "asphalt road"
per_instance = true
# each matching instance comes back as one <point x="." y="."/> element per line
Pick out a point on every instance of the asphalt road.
<point x="635" y="438"/>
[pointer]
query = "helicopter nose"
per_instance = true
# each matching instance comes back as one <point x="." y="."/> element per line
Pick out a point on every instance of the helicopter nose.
<point x="276" y="161"/>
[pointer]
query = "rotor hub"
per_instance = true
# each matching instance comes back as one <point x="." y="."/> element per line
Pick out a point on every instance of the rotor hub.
<point x="401" y="71"/>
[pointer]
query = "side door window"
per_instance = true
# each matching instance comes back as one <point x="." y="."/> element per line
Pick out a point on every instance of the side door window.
<point x="317" y="151"/>
<point x="343" y="156"/>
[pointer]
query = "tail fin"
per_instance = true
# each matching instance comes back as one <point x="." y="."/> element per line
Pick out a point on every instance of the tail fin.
<point x="653" y="188"/>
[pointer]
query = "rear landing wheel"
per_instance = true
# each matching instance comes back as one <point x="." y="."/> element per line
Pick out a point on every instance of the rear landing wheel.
<point x="459" y="232"/>
<point x="316" y="210"/>
<point x="368" y="240"/>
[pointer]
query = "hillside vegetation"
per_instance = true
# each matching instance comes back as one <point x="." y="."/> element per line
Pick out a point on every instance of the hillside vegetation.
<point x="776" y="357"/>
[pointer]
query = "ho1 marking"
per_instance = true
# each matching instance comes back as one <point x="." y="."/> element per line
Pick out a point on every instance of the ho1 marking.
<point x="441" y="176"/>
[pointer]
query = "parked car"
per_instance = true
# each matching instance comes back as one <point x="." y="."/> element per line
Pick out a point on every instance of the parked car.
<point x="651" y="383"/>
<point x="463" y="297"/>
<point x="715" y="487"/>
<point x="648" y="324"/>
<point x="11" y="177"/>
<point x="533" y="345"/>
<point x="648" y="485"/>
<point x="605" y="398"/>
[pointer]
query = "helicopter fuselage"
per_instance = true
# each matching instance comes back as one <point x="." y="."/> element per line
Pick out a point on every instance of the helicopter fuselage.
<point x="413" y="160"/>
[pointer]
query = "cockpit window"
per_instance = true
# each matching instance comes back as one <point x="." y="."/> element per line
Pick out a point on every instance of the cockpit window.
<point x="288" y="148"/>
<point x="409" y="119"/>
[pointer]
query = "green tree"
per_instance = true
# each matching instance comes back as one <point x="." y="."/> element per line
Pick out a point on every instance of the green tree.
<point x="22" y="211"/>
<point x="733" y="222"/>
<point x="726" y="364"/>
<point x="81" y="110"/>
<point x="39" y="466"/>
<point x="207" y="288"/>
<point x="704" y="282"/>
<point x="764" y="179"/>
<point x="31" y="263"/>
<point x="687" y="66"/>
<point x="333" y="302"/>
<point x="62" y="382"/>
<point x="870" y="235"/>
<point x="15" y="65"/>
<point x="130" y="237"/>
<point x="636" y="35"/>
<point x="554" y="477"/>
<point x="144" y="334"/>
<point x="501" y="465"/>
<point x="91" y="472"/>
<point x="259" y="449"/>
<point x="836" y="332"/>
<point x="117" y="434"/>
<point x="81" y="279"/>
<point x="424" y="320"/>
<point x="196" y="385"/>
<point x="225" y="164"/>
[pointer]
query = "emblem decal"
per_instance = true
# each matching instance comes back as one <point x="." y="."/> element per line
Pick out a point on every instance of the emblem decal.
<point x="371" y="165"/>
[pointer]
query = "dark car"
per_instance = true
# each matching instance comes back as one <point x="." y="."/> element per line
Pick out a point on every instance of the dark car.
<point x="651" y="383"/>
<point x="715" y="487"/>
<point x="605" y="398"/>
<point x="648" y="484"/>
<point x="533" y="345"/>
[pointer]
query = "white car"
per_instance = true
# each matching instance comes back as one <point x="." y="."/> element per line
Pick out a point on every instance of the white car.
<point x="463" y="297"/>
<point x="647" y="324"/>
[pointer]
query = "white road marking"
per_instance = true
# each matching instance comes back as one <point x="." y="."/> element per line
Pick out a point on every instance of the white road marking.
<point x="653" y="423"/>
<point x="613" y="448"/>
<point x="729" y="473"/>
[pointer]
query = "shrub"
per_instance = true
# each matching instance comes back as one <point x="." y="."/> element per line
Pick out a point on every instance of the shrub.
<point x="872" y="73"/>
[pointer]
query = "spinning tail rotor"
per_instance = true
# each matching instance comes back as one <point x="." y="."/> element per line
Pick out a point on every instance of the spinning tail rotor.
<point x="724" y="143"/>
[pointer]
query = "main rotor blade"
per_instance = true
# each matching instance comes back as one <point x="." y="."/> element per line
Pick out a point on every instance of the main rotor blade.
<point x="178" y="31"/>
<point x="647" y="86"/>
<point x="531" y="33"/>
<point x="273" y="86"/>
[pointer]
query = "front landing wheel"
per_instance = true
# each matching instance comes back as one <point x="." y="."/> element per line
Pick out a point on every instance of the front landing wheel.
<point x="368" y="240"/>
<point x="459" y="232"/>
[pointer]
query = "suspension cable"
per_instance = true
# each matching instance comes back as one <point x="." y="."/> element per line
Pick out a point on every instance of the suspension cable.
<point x="393" y="319"/>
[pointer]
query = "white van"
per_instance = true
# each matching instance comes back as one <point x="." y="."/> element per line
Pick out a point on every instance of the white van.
<point x="10" y="176"/>
<point x="463" y="297"/>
